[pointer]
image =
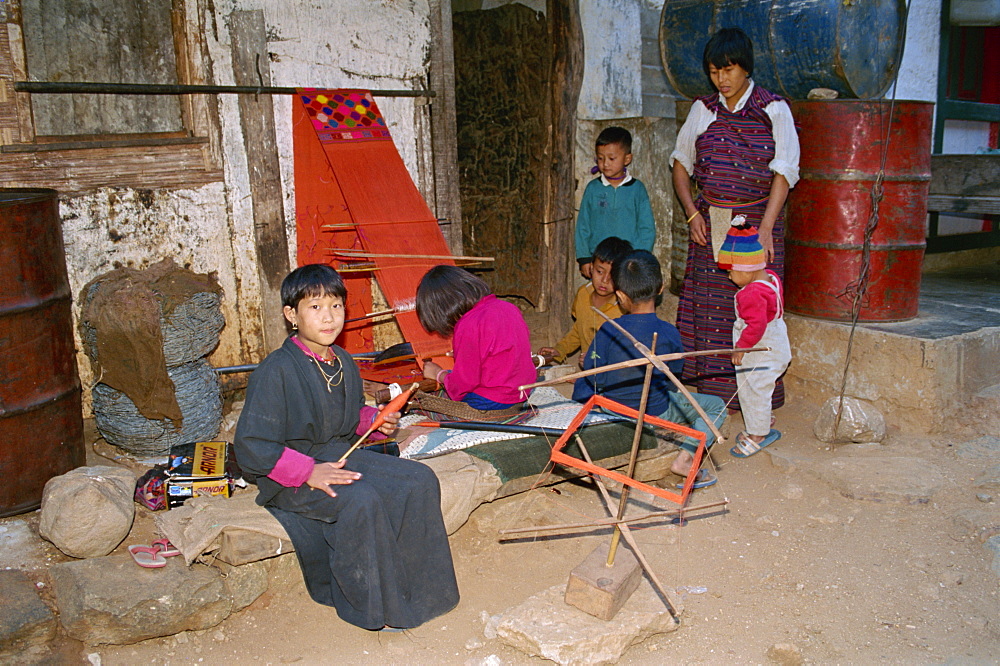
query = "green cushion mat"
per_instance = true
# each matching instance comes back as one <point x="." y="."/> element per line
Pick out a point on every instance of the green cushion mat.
<point x="528" y="456"/>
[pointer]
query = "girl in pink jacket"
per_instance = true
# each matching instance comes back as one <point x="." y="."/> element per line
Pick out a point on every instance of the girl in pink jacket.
<point x="490" y="340"/>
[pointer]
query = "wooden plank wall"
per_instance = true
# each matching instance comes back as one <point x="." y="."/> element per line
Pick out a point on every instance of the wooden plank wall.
<point x="251" y="68"/>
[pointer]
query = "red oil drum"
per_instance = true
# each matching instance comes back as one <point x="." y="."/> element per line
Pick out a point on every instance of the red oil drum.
<point x="41" y="421"/>
<point x="842" y="143"/>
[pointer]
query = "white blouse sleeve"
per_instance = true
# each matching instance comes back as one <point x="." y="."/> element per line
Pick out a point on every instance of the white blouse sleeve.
<point x="786" y="141"/>
<point x="698" y="120"/>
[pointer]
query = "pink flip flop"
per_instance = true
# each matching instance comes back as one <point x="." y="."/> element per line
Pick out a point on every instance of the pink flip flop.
<point x="147" y="557"/>
<point x="165" y="548"/>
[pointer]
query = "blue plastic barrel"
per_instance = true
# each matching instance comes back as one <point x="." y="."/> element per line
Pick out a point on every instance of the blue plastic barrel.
<point x="851" y="46"/>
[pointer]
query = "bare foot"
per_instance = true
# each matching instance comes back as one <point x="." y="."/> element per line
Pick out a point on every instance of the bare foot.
<point x="682" y="463"/>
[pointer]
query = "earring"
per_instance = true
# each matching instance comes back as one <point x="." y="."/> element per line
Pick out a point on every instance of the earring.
<point x="295" y="327"/>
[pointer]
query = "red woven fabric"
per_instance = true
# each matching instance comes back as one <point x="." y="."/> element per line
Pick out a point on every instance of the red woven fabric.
<point x="348" y="173"/>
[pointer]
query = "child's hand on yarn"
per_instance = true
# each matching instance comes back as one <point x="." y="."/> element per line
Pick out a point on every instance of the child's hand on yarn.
<point x="738" y="358"/>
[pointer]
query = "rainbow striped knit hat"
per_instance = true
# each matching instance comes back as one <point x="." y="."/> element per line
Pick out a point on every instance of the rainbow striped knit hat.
<point x="741" y="251"/>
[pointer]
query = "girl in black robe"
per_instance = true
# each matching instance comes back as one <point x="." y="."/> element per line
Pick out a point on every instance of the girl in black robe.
<point x="368" y="532"/>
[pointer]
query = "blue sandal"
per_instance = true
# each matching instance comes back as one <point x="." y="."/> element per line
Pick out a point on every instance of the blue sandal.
<point x="746" y="446"/>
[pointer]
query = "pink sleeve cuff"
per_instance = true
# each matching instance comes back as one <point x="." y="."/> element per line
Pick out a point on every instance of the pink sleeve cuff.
<point x="365" y="420"/>
<point x="292" y="469"/>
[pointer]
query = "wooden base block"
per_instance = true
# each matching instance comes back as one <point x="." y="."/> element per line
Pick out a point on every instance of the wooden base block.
<point x="600" y="590"/>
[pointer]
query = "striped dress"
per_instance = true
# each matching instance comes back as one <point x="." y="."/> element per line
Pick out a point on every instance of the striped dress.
<point x="731" y="171"/>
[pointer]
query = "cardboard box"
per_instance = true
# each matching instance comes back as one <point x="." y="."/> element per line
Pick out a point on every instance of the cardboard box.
<point x="197" y="469"/>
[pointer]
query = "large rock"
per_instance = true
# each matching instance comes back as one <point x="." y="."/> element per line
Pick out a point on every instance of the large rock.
<point x="88" y="511"/>
<point x="245" y="583"/>
<point x="112" y="600"/>
<point x="858" y="422"/>
<point x="466" y="482"/>
<point x="546" y="626"/>
<point x="882" y="478"/>
<point x="25" y="621"/>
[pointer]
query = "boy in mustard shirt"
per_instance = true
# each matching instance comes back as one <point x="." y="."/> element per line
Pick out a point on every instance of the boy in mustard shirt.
<point x="599" y="293"/>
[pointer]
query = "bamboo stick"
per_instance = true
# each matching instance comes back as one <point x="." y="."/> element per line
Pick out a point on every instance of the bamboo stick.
<point x="365" y="255"/>
<point x="408" y="305"/>
<point x="353" y="225"/>
<point x="638" y="361"/>
<point x="633" y="456"/>
<point x="611" y="521"/>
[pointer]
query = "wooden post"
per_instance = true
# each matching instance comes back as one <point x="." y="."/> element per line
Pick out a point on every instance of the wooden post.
<point x="444" y="131"/>
<point x="558" y="265"/>
<point x="250" y="67"/>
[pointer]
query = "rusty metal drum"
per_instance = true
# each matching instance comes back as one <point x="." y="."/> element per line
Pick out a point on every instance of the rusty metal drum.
<point x="843" y="142"/>
<point x="41" y="421"/>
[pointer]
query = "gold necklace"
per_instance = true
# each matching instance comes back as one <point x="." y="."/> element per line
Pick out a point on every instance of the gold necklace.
<point x="338" y="372"/>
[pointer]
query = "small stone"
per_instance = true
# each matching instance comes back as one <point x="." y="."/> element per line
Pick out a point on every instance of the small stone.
<point x="219" y="636"/>
<point x="929" y="590"/>
<point x="490" y="623"/>
<point x="473" y="644"/>
<point x="786" y="654"/>
<point x="976" y="622"/>
<point x="952" y="578"/>
<point x="984" y="498"/>
<point x="822" y="93"/>
<point x="182" y="638"/>
<point x="858" y="422"/>
<point x="94" y="658"/>
<point x="792" y="491"/>
<point x="989" y="479"/>
<point x="825" y="519"/>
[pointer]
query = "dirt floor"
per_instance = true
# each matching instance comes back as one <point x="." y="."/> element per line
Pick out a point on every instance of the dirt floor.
<point x="789" y="561"/>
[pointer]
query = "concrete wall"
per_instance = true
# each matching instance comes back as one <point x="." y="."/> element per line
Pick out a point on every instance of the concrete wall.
<point x="323" y="43"/>
<point x="920" y="385"/>
<point x="624" y="85"/>
<point x="917" y="78"/>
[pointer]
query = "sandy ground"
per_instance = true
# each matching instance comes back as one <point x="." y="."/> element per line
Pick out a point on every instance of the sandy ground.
<point x="788" y="561"/>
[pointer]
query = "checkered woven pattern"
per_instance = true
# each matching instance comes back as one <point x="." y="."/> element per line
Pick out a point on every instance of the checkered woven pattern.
<point x="344" y="116"/>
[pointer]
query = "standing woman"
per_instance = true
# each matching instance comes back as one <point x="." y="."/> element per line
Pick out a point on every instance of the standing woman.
<point x="740" y="148"/>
